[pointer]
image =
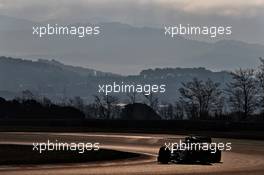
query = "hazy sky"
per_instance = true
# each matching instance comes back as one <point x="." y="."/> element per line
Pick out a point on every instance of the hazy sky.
<point x="49" y="9"/>
<point x="246" y="16"/>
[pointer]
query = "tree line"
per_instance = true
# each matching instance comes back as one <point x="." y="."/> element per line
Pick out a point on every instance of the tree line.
<point x="240" y="99"/>
<point x="30" y="108"/>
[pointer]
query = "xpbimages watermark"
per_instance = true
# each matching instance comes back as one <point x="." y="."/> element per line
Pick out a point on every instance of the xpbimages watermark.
<point x="122" y="87"/>
<point x="211" y="31"/>
<point x="77" y="31"/>
<point x="212" y="147"/>
<point x="81" y="147"/>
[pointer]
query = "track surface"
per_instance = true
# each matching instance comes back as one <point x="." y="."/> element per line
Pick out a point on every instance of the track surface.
<point x="246" y="157"/>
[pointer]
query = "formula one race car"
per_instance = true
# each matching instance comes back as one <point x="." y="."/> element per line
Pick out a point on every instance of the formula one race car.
<point x="192" y="149"/>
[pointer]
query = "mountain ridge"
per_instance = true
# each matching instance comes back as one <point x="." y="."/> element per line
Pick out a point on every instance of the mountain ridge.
<point x="126" y="49"/>
<point x="56" y="80"/>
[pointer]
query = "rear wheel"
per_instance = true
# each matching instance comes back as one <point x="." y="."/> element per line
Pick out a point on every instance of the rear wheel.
<point x="164" y="155"/>
<point x="217" y="156"/>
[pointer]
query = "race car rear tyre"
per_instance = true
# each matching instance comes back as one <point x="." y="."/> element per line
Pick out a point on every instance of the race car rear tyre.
<point x="164" y="155"/>
<point x="217" y="156"/>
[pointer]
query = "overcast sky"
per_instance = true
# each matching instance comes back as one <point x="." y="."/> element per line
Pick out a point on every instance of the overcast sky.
<point x="246" y="16"/>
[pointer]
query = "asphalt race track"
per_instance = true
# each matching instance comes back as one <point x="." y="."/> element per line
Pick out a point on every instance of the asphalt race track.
<point x="245" y="158"/>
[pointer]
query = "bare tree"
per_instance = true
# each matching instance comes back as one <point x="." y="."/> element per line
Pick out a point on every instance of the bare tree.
<point x="189" y="107"/>
<point x="132" y="96"/>
<point x="152" y="100"/>
<point x="218" y="106"/>
<point x="46" y="102"/>
<point x="110" y="102"/>
<point x="260" y="78"/>
<point x="170" y="112"/>
<point x="201" y="96"/>
<point x="179" y="110"/>
<point x="242" y="92"/>
<point x="99" y="107"/>
<point x="106" y="106"/>
<point x="166" y="111"/>
<point x="77" y="102"/>
<point x="27" y="95"/>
